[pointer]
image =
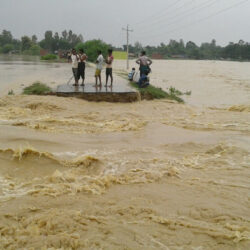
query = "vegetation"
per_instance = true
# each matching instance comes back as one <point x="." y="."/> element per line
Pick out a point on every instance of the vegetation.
<point x="7" y="48"/>
<point x="49" y="57"/>
<point x="31" y="46"/>
<point x="174" y="91"/>
<point x="178" y="49"/>
<point x="37" y="88"/>
<point x="11" y="92"/>
<point x="120" y="55"/>
<point x="34" y="50"/>
<point x="151" y="92"/>
<point x="91" y="47"/>
<point x="53" y="42"/>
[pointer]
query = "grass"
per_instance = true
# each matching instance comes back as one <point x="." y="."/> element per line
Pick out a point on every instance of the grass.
<point x="120" y="55"/>
<point x="152" y="92"/>
<point x="11" y="92"/>
<point x="49" y="57"/>
<point x="177" y="92"/>
<point x="37" y="88"/>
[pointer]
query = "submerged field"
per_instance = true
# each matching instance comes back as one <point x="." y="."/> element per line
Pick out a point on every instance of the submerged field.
<point x="147" y="175"/>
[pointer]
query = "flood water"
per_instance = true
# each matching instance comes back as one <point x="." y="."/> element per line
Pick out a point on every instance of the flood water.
<point x="145" y="175"/>
<point x="213" y="83"/>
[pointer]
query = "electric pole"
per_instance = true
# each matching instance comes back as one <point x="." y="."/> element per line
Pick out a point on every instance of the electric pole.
<point x="127" y="30"/>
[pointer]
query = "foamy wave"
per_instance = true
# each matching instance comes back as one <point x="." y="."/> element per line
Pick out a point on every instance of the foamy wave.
<point x="240" y="108"/>
<point x="21" y="154"/>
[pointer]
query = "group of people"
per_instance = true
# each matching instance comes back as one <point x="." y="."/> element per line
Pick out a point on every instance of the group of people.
<point x="78" y="67"/>
<point x="79" y="60"/>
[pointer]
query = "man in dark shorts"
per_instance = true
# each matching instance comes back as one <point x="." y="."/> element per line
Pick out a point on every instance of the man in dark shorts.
<point x="81" y="66"/>
<point x="109" y="62"/>
<point x="144" y="63"/>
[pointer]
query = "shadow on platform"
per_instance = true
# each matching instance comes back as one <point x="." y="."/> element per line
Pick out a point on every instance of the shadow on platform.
<point x="90" y="92"/>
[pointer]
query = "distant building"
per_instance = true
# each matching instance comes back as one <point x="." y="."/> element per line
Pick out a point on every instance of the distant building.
<point x="157" y="56"/>
<point x="62" y="53"/>
<point x="178" y="56"/>
<point x="132" y="55"/>
<point x="44" y="52"/>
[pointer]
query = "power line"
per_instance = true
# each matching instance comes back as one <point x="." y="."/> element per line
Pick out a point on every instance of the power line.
<point x="186" y="13"/>
<point x="159" y="18"/>
<point x="205" y="18"/>
<point x="127" y="30"/>
<point x="157" y="13"/>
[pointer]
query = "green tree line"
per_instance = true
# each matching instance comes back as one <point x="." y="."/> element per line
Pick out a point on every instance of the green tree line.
<point x="189" y="50"/>
<point x="30" y="45"/>
<point x="52" y="42"/>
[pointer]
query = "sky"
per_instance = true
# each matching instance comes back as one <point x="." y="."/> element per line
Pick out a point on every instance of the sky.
<point x="152" y="21"/>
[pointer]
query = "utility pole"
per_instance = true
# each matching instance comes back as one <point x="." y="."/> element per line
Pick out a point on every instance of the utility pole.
<point x="127" y="30"/>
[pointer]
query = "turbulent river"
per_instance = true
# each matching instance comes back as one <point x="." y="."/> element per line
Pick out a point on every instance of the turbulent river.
<point x="146" y="175"/>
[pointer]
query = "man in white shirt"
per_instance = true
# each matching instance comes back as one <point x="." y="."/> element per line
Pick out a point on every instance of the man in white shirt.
<point x="74" y="59"/>
<point x="99" y="64"/>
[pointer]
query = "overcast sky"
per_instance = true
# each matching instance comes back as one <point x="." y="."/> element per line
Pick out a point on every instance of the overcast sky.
<point x="153" y="21"/>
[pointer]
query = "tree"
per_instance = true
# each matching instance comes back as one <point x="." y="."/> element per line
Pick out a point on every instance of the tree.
<point x="192" y="50"/>
<point x="17" y="44"/>
<point x="34" y="39"/>
<point x="91" y="47"/>
<point x="5" y="37"/>
<point x="80" y="46"/>
<point x="138" y="47"/>
<point x="64" y="35"/>
<point x="191" y="45"/>
<point x="35" y="50"/>
<point x="176" y="48"/>
<point x="55" y="43"/>
<point x="26" y="43"/>
<point x="48" y="40"/>
<point x="63" y="44"/>
<point x="162" y="49"/>
<point x="7" y="48"/>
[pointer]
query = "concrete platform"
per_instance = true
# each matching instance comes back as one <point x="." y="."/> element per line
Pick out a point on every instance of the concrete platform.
<point x="89" y="92"/>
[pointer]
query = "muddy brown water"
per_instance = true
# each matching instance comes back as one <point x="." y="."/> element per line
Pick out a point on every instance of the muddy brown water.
<point x="145" y="175"/>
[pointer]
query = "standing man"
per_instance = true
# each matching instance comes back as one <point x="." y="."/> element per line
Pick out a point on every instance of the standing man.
<point x="144" y="63"/>
<point x="109" y="62"/>
<point x="81" y="66"/>
<point x="74" y="59"/>
<point x="99" y="63"/>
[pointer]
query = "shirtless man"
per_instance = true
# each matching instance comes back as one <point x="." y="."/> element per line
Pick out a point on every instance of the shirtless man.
<point x="144" y="63"/>
<point x="109" y="62"/>
<point x="81" y="66"/>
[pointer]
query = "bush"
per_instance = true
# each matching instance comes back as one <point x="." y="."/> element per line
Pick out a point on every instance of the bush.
<point x="90" y="47"/>
<point x="152" y="92"/>
<point x="36" y="88"/>
<point x="7" y="48"/>
<point x="34" y="50"/>
<point x="49" y="57"/>
<point x="11" y="92"/>
<point x="80" y="46"/>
